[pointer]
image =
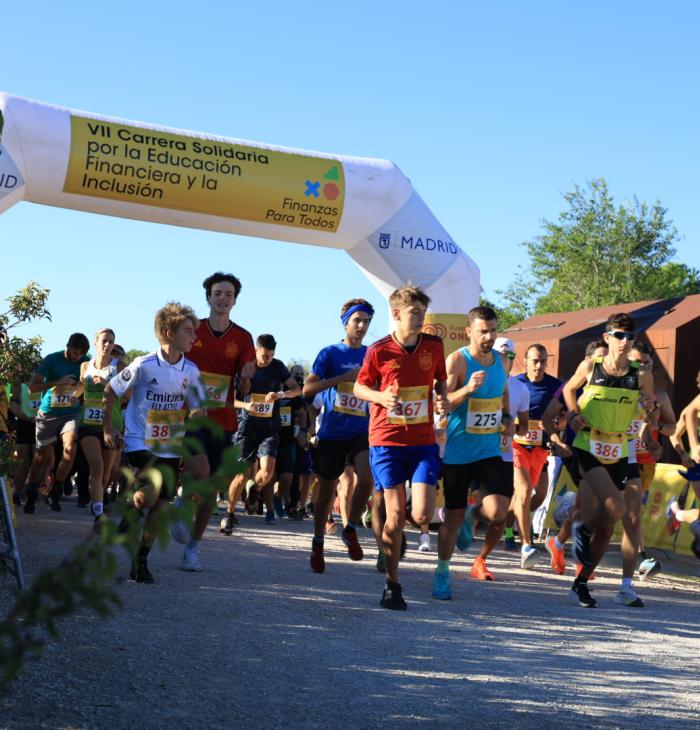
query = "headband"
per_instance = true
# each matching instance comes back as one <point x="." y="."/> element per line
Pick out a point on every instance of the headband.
<point x="345" y="318"/>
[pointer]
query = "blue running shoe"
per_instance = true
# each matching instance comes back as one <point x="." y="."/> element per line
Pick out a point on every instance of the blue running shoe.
<point x="465" y="536"/>
<point x="441" y="586"/>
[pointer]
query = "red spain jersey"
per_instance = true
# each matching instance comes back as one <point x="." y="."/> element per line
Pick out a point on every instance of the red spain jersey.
<point x="220" y="360"/>
<point x="412" y="375"/>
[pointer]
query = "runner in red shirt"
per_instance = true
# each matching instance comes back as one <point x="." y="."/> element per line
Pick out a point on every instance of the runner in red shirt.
<point x="225" y="356"/>
<point x="398" y="377"/>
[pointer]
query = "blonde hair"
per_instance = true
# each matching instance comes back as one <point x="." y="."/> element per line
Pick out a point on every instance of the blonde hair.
<point x="170" y="317"/>
<point x="407" y="295"/>
<point x="103" y="331"/>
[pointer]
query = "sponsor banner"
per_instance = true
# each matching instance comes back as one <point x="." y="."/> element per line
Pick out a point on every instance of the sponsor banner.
<point x="667" y="484"/>
<point x="10" y="177"/>
<point x="136" y="165"/>
<point x="449" y="327"/>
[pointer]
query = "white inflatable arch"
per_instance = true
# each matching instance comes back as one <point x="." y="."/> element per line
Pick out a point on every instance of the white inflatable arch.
<point x="367" y="207"/>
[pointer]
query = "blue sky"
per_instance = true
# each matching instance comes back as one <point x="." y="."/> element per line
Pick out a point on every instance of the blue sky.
<point x="493" y="110"/>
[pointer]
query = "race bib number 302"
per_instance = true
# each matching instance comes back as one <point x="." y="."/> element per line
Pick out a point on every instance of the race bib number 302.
<point x="412" y="407"/>
<point x="484" y="415"/>
<point x="347" y="402"/>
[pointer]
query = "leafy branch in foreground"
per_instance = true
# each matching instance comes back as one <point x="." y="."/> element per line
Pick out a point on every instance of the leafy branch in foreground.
<point x="86" y="578"/>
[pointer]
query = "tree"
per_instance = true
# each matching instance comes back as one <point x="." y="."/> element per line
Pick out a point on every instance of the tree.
<point x="131" y="355"/>
<point x="596" y="254"/>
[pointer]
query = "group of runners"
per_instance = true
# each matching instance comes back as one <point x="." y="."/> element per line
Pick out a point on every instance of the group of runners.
<point x="390" y="422"/>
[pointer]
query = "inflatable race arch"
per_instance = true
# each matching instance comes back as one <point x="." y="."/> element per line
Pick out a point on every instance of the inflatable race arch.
<point x="367" y="207"/>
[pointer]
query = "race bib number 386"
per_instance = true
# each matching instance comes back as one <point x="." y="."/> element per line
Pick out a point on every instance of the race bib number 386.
<point x="607" y="447"/>
<point x="484" y="415"/>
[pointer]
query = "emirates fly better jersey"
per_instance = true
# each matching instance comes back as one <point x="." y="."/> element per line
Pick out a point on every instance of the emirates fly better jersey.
<point x="410" y="374"/>
<point x="159" y="393"/>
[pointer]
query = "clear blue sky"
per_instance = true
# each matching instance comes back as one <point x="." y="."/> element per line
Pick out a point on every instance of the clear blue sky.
<point x="494" y="110"/>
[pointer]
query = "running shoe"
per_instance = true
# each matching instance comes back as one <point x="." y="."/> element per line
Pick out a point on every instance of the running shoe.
<point x="270" y="518"/>
<point x="672" y="524"/>
<point x="404" y="546"/>
<point x="465" y="535"/>
<point x="295" y="515"/>
<point x="16" y="500"/>
<point x="331" y="527"/>
<point x="424" y="542"/>
<point x="392" y="598"/>
<point x="54" y="503"/>
<point x="227" y="524"/>
<point x="528" y="557"/>
<point x="317" y="561"/>
<point x="582" y="543"/>
<point x="480" y="571"/>
<point x="349" y="537"/>
<point x="648" y="568"/>
<point x="140" y="573"/>
<point x="558" y="562"/>
<point x="190" y="560"/>
<point x="510" y="544"/>
<point x="627" y="597"/>
<point x="367" y="518"/>
<point x="29" y="507"/>
<point x="581" y="596"/>
<point x="279" y="507"/>
<point x="381" y="562"/>
<point x="695" y="545"/>
<point x="441" y="586"/>
<point x="251" y="503"/>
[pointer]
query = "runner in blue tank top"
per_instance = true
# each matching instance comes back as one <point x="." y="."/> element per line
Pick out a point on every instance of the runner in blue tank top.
<point x="478" y="395"/>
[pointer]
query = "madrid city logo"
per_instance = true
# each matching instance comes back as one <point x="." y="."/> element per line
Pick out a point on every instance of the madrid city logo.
<point x="384" y="240"/>
<point x="416" y="243"/>
<point x="330" y="189"/>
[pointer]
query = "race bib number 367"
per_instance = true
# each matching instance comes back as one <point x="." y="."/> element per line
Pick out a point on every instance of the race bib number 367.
<point x="412" y="407"/>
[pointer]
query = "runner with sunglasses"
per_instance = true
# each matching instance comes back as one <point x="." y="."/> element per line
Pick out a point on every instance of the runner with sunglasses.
<point x="601" y="417"/>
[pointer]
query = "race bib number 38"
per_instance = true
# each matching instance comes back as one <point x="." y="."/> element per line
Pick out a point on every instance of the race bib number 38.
<point x="606" y="447"/>
<point x="163" y="427"/>
<point x="347" y="402"/>
<point x="412" y="407"/>
<point x="258" y="407"/>
<point x="484" y="415"/>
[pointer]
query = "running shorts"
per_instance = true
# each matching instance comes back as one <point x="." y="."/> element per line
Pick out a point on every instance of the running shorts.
<point x="333" y="456"/>
<point x="489" y="476"/>
<point x="530" y="459"/>
<point x="395" y="465"/>
<point x="584" y="461"/>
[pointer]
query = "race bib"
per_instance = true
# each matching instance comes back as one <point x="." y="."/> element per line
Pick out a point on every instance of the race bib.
<point x="484" y="415"/>
<point x="606" y="447"/>
<point x="506" y="442"/>
<point x="534" y="435"/>
<point x="635" y="429"/>
<point x="216" y="388"/>
<point x="347" y="402"/>
<point x="412" y="407"/>
<point x="34" y="402"/>
<point x="62" y="400"/>
<point x="286" y="416"/>
<point x="258" y="407"/>
<point x="92" y="411"/>
<point x="163" y="428"/>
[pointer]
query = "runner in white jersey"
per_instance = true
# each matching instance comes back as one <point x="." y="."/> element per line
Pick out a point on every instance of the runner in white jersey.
<point x="163" y="385"/>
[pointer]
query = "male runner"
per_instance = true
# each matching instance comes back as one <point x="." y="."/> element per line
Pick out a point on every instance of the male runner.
<point x="478" y="396"/>
<point x="398" y="376"/>
<point x="225" y="356"/>
<point x="342" y="436"/>
<point x="530" y="452"/>
<point x="57" y="378"/>
<point x="259" y="426"/>
<point x="163" y="385"/>
<point x="554" y="420"/>
<point x="601" y="418"/>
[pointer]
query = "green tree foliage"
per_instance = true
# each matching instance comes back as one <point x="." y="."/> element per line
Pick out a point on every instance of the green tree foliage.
<point x="131" y="355"/>
<point x="598" y="254"/>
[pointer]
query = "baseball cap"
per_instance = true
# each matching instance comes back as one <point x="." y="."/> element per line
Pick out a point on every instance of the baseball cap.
<point x="504" y="345"/>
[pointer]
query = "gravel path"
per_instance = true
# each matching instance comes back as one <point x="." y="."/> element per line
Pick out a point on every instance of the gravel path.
<point x="258" y="640"/>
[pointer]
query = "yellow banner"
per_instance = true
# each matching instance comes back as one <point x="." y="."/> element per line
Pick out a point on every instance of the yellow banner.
<point x="449" y="327"/>
<point x="667" y="483"/>
<point x="136" y="165"/>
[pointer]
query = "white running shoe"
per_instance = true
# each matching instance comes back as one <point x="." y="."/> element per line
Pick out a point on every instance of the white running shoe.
<point x="528" y="557"/>
<point x="190" y="560"/>
<point x="424" y="542"/>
